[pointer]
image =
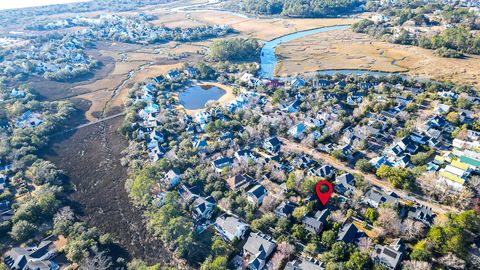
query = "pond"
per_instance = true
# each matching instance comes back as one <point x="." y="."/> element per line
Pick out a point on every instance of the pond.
<point x="195" y="97"/>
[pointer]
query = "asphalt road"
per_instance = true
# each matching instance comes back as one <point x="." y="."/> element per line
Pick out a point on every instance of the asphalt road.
<point x="328" y="159"/>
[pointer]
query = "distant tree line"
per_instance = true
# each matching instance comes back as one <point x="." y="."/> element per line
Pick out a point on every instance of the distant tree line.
<point x="457" y="39"/>
<point x="300" y="8"/>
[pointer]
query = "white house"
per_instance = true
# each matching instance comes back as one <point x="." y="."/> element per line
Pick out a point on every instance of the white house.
<point x="230" y="228"/>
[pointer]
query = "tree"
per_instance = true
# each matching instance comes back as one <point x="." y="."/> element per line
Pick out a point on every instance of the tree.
<point x="140" y="265"/>
<point x="283" y="253"/>
<point x="63" y="220"/>
<point x="453" y="118"/>
<point x="23" y="230"/>
<point x="358" y="261"/>
<point x="452" y="261"/>
<point x="300" y="212"/>
<point x="219" y="263"/>
<point x="364" y="166"/>
<point x="235" y="49"/>
<point x="414" y="265"/>
<point x="421" y="251"/>
<point x="328" y="238"/>
<point x="143" y="184"/>
<point x="219" y="248"/>
<point x="311" y="249"/>
<point x="389" y="221"/>
<point x="299" y="232"/>
<point x="371" y="214"/>
<point x="99" y="261"/>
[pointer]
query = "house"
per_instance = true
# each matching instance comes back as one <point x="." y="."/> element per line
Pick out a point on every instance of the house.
<point x="239" y="181"/>
<point x="272" y="145"/>
<point x="3" y="183"/>
<point x="201" y="145"/>
<point x="422" y="213"/>
<point x="297" y="131"/>
<point x="375" y="198"/>
<point x="346" y="149"/>
<point x="4" y="124"/>
<point x="191" y="72"/>
<point x="4" y="206"/>
<point x="292" y="107"/>
<point x="29" y="119"/>
<point x="221" y="163"/>
<point x="256" y="194"/>
<point x="325" y="171"/>
<point x="389" y="256"/>
<point x="314" y="123"/>
<point x="250" y="80"/>
<point x="156" y="153"/>
<point x="304" y="264"/>
<point x="202" y="208"/>
<point x="203" y="117"/>
<point x="316" y="223"/>
<point x="345" y="184"/>
<point x="441" y="109"/>
<point x="348" y="233"/>
<point x="297" y="83"/>
<point x="257" y="249"/>
<point x="173" y="74"/>
<point x="158" y="79"/>
<point x="245" y="155"/>
<point x="230" y="228"/>
<point x="285" y="209"/>
<point x="40" y="257"/>
<point x="171" y="178"/>
<point x="274" y="83"/>
<point x="379" y="161"/>
<point x="17" y="93"/>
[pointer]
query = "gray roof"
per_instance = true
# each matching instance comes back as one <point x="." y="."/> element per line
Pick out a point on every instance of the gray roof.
<point x="285" y="209"/>
<point x="380" y="197"/>
<point x="304" y="264"/>
<point x="389" y="256"/>
<point x="258" y="242"/>
<point x="315" y="224"/>
<point x="229" y="224"/>
<point x="345" y="183"/>
<point x="421" y="213"/>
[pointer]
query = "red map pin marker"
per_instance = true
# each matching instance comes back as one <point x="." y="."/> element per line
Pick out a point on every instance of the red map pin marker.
<point x="324" y="197"/>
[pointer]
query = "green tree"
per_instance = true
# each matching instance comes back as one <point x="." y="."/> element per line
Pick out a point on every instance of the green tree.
<point x="219" y="263"/>
<point x="23" y="230"/>
<point x="358" y="261"/>
<point x="371" y="214"/>
<point x="364" y="166"/>
<point x="328" y="238"/>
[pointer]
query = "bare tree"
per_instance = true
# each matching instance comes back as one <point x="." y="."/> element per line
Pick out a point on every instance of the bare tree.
<point x="338" y="216"/>
<point x="452" y="261"/>
<point x="365" y="245"/>
<point x="415" y="265"/>
<point x="100" y="261"/>
<point x="269" y="203"/>
<point x="389" y="221"/>
<point x="413" y="229"/>
<point x="474" y="182"/>
<point x="284" y="252"/>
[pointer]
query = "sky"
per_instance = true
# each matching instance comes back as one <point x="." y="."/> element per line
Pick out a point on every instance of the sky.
<point x="9" y="4"/>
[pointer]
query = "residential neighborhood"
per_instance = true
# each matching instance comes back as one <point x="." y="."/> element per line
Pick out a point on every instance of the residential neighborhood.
<point x="240" y="134"/>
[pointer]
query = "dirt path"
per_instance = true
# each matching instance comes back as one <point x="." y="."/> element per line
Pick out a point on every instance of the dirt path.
<point x="90" y="157"/>
<point x="327" y="159"/>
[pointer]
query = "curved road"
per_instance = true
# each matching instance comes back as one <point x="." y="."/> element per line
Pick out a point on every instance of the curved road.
<point x="327" y="159"/>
